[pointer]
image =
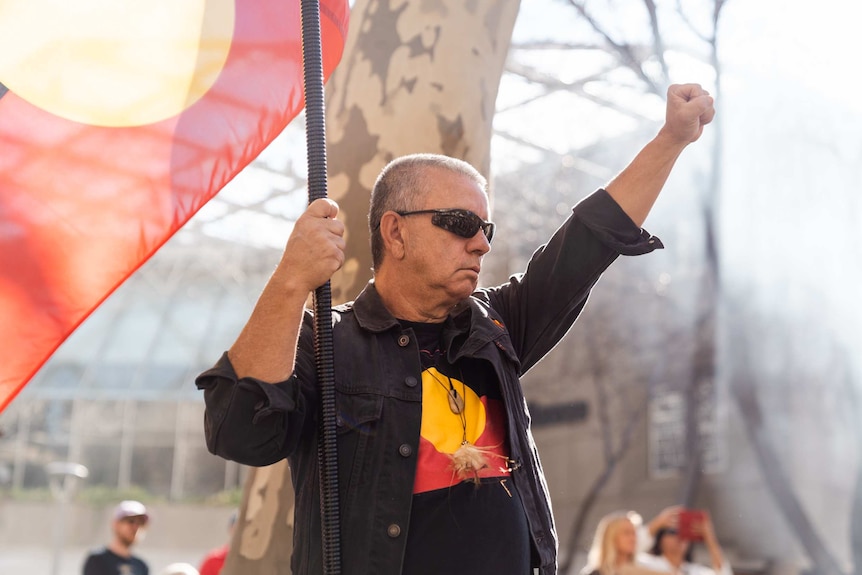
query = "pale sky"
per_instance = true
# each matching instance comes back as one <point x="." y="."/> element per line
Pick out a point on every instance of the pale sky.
<point x="792" y="193"/>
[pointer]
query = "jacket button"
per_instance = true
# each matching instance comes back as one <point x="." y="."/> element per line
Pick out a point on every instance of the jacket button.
<point x="403" y="340"/>
<point x="410" y="381"/>
<point x="393" y="530"/>
<point x="405" y="450"/>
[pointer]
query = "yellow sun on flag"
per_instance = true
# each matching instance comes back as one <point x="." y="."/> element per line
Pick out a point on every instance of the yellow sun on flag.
<point x="113" y="62"/>
<point x="443" y="428"/>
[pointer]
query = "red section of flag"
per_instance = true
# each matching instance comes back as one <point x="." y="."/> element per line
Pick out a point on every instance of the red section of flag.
<point x="82" y="207"/>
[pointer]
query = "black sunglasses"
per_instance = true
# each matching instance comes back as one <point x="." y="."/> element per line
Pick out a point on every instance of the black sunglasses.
<point x="463" y="223"/>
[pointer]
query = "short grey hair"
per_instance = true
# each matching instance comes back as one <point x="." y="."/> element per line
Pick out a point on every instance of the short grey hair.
<point x="400" y="186"/>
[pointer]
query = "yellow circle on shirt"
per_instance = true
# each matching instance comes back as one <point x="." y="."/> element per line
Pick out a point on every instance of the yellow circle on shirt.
<point x="443" y="428"/>
<point x="113" y="62"/>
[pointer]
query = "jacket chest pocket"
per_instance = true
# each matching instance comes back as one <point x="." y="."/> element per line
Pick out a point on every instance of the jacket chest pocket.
<point x="357" y="424"/>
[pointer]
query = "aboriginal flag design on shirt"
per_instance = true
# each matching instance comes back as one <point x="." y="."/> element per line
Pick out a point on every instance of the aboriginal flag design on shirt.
<point x="481" y="421"/>
<point x="447" y="510"/>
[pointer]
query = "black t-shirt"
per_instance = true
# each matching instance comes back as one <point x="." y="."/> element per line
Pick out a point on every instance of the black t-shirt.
<point x="461" y="526"/>
<point x="106" y="562"/>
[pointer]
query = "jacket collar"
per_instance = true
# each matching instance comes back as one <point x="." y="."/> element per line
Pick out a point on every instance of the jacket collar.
<point x="473" y="317"/>
<point x="370" y="312"/>
<point x="483" y="325"/>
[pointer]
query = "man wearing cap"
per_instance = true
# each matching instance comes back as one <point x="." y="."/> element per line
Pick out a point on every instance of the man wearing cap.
<point x="129" y="519"/>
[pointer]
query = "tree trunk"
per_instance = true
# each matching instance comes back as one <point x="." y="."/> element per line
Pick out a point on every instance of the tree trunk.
<point x="856" y="501"/>
<point x="703" y="377"/>
<point x="416" y="76"/>
<point x="774" y="474"/>
<point x="263" y="536"/>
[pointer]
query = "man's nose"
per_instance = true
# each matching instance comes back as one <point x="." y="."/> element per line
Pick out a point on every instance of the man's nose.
<point x="479" y="243"/>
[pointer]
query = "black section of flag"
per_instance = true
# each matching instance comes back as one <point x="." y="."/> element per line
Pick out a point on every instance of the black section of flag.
<point x="3" y="90"/>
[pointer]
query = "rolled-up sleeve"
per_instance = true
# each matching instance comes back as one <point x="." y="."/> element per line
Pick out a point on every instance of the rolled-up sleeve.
<point x="604" y="217"/>
<point x="246" y="419"/>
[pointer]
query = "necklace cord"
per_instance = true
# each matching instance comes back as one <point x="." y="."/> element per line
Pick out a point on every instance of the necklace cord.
<point x="461" y="410"/>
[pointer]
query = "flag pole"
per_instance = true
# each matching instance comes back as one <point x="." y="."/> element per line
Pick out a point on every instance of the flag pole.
<point x="312" y="64"/>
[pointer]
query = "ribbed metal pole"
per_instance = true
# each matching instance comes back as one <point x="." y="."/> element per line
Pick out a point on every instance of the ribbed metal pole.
<point x="312" y="59"/>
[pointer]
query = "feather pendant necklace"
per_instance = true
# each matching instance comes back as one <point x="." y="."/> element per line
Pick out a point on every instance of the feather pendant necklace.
<point x="468" y="460"/>
<point x="456" y="401"/>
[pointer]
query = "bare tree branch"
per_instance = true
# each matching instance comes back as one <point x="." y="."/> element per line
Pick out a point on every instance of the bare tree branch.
<point x="553" y="83"/>
<point x="612" y="455"/>
<point x="612" y="460"/>
<point x="658" y="42"/>
<point x="624" y="51"/>
<point x="552" y="45"/>
<point x="582" y="165"/>
<point x="716" y="13"/>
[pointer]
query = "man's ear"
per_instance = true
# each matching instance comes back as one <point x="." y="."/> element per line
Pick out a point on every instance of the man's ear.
<point x="391" y="232"/>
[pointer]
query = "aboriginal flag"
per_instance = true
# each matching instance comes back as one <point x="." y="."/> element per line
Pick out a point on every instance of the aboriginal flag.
<point x="119" y="119"/>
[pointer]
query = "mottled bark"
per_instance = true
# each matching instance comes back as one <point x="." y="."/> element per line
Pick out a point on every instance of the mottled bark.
<point x="416" y="76"/>
<point x="263" y="536"/>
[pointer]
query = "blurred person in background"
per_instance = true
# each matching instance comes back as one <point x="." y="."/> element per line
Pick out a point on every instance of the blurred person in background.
<point x="128" y="524"/>
<point x="615" y="546"/>
<point x="214" y="560"/>
<point x="670" y="537"/>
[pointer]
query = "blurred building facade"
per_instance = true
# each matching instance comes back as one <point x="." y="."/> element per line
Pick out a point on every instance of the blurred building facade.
<point x="118" y="395"/>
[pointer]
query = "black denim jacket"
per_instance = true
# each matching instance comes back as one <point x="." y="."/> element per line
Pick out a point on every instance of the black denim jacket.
<point x="378" y="395"/>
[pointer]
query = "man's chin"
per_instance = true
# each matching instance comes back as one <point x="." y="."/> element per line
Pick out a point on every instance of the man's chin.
<point x="465" y="289"/>
<point x="468" y="275"/>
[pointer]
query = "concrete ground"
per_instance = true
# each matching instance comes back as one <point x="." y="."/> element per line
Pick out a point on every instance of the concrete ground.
<point x="40" y="560"/>
<point x="177" y="533"/>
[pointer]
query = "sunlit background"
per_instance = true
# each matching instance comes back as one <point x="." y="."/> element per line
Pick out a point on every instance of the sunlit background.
<point x="119" y="396"/>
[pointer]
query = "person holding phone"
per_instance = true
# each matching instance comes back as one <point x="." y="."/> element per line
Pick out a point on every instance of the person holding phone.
<point x="669" y="538"/>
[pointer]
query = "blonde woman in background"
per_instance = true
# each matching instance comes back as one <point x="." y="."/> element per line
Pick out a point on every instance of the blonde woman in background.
<point x="615" y="546"/>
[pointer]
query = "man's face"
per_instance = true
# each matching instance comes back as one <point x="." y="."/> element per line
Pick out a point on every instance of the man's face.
<point x="441" y="262"/>
<point x="126" y="529"/>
